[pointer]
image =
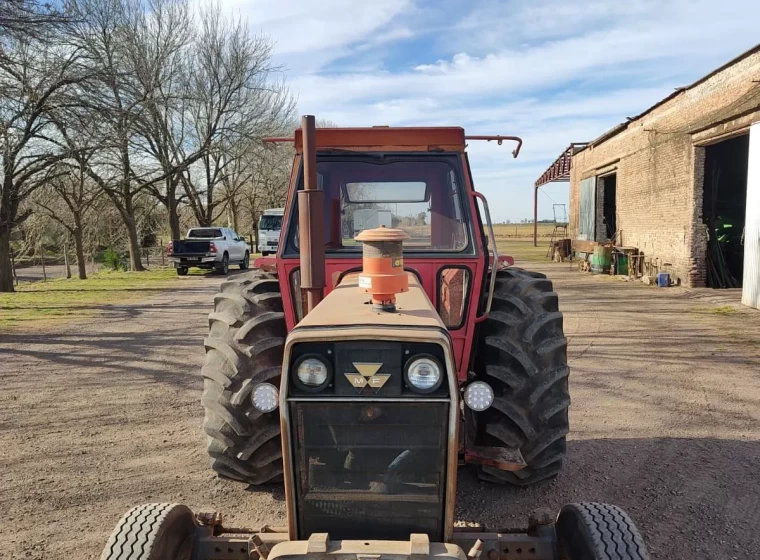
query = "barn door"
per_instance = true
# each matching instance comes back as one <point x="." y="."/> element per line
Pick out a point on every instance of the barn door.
<point x="587" y="217"/>
<point x="751" y="281"/>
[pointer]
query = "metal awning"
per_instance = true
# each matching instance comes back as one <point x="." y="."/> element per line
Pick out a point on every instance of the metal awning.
<point x="560" y="169"/>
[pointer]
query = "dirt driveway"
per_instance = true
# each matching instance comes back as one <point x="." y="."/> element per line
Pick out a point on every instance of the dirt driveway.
<point x="99" y="416"/>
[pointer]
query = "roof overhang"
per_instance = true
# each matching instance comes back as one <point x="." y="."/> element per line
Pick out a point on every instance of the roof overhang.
<point x="560" y="169"/>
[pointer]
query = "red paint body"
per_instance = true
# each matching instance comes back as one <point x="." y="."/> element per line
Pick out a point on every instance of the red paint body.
<point x="427" y="268"/>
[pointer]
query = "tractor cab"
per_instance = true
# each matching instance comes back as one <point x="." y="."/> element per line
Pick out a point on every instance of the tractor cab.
<point x="416" y="180"/>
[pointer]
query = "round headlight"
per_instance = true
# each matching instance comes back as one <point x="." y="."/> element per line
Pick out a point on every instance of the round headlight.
<point x="312" y="372"/>
<point x="478" y="395"/>
<point x="423" y="374"/>
<point x="265" y="397"/>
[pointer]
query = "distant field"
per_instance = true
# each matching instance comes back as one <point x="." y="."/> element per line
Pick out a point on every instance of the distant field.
<point x="522" y="230"/>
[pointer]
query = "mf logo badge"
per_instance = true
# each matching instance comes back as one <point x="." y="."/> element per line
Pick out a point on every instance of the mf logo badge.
<point x="367" y="377"/>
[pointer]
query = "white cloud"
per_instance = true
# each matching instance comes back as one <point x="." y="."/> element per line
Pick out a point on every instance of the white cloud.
<point x="310" y="34"/>
<point x="553" y="72"/>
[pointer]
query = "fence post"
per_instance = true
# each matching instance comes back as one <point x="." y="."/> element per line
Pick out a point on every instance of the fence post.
<point x="66" y="260"/>
<point x="13" y="268"/>
<point x="44" y="272"/>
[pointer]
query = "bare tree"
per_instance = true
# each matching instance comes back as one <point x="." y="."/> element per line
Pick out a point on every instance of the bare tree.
<point x="29" y="18"/>
<point x="35" y="78"/>
<point x="75" y="194"/>
<point x="234" y="101"/>
<point x="111" y="106"/>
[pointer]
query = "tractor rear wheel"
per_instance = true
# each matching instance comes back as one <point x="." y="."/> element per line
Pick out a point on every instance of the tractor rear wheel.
<point x="244" y="347"/>
<point x="152" y="532"/>
<point x="522" y="354"/>
<point x="592" y="531"/>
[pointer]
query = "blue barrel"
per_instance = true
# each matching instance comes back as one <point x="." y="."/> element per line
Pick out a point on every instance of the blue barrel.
<point x="663" y="280"/>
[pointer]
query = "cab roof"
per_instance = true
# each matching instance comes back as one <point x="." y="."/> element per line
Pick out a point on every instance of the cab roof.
<point x="386" y="138"/>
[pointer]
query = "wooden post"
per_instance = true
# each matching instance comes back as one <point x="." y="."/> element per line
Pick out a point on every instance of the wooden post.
<point x="66" y="260"/>
<point x="44" y="272"/>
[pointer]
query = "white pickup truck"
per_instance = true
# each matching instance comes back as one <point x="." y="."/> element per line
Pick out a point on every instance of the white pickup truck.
<point x="207" y="248"/>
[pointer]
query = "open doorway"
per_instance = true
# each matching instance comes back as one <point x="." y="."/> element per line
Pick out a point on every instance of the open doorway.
<point x="724" y="210"/>
<point x="606" y="211"/>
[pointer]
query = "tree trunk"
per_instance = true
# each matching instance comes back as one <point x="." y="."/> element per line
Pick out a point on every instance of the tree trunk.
<point x="171" y="207"/>
<point x="128" y="215"/>
<point x="6" y="273"/>
<point x="174" y="218"/>
<point x="79" y="247"/>
<point x="232" y="210"/>
<point x="135" y="263"/>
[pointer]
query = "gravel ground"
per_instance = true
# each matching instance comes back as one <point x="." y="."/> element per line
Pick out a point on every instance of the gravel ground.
<point x="101" y="415"/>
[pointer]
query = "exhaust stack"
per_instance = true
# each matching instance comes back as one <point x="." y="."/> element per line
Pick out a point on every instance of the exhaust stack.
<point x="311" y="221"/>
<point x="383" y="274"/>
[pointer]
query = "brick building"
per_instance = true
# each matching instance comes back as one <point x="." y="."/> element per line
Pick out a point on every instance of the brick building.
<point x="662" y="179"/>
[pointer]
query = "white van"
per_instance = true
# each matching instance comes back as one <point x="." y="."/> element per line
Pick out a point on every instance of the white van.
<point x="270" y="225"/>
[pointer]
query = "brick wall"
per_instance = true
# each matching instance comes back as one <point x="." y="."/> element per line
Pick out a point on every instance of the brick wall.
<point x="660" y="166"/>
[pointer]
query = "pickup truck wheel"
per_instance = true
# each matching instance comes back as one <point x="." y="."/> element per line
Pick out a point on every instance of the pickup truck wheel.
<point x="182" y="271"/>
<point x="246" y="262"/>
<point x="264" y="253"/>
<point x="244" y="347"/>
<point x="224" y="266"/>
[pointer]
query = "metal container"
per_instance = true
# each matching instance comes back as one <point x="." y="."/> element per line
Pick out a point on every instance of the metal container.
<point x="601" y="260"/>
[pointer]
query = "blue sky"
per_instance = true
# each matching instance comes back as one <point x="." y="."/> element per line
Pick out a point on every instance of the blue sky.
<point x="551" y="71"/>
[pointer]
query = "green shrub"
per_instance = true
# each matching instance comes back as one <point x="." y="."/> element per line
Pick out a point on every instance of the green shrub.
<point x="113" y="259"/>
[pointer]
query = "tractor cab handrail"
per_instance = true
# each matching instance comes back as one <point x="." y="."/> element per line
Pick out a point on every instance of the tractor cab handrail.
<point x="492" y="238"/>
<point x="499" y="139"/>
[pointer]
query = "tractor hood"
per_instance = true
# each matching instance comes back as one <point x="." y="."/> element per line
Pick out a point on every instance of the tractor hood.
<point x="348" y="306"/>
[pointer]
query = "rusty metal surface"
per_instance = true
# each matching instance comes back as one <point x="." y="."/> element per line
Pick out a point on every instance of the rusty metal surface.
<point x="499" y="139"/>
<point x="510" y="546"/>
<point x="499" y="457"/>
<point x="346" y="305"/>
<point x="311" y="223"/>
<point x="560" y="169"/>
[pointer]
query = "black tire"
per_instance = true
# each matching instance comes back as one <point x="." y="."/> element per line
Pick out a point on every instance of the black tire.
<point x="522" y="354"/>
<point x="182" y="271"/>
<point x="152" y="532"/>
<point x="264" y="253"/>
<point x="246" y="261"/>
<point x="224" y="266"/>
<point x="592" y="531"/>
<point x="244" y="347"/>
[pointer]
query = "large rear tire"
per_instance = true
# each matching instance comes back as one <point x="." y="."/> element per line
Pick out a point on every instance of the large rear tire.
<point x="152" y="532"/>
<point x="592" y="531"/>
<point x="522" y="354"/>
<point x="244" y="347"/>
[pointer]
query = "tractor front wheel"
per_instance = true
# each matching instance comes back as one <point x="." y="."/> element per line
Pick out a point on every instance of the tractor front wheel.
<point x="152" y="532"/>
<point x="522" y="354"/>
<point x="244" y="347"/>
<point x="592" y="531"/>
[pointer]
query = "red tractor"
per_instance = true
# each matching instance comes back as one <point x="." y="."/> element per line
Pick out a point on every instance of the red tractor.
<point x="504" y="322"/>
<point x="360" y="368"/>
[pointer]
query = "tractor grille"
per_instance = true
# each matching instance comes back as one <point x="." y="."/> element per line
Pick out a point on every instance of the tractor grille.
<point x="374" y="470"/>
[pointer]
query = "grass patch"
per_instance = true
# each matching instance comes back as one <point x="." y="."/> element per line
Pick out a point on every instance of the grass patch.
<point x="523" y="250"/>
<point x="723" y="310"/>
<point x="35" y="303"/>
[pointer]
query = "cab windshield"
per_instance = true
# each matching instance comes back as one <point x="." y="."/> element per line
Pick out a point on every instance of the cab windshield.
<point x="270" y="222"/>
<point x="423" y="198"/>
